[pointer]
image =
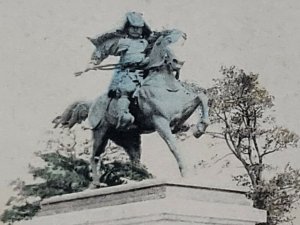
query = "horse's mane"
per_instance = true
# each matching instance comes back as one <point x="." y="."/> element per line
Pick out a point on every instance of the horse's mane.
<point x="154" y="37"/>
<point x="159" y="53"/>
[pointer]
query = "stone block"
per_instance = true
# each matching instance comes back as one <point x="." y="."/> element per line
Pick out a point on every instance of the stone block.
<point x="151" y="202"/>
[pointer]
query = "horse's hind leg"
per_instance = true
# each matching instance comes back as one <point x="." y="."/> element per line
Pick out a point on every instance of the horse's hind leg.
<point x="99" y="144"/>
<point x="131" y="142"/>
<point x="163" y="128"/>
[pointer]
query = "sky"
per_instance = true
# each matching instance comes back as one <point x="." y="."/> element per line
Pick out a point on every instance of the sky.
<point x="43" y="42"/>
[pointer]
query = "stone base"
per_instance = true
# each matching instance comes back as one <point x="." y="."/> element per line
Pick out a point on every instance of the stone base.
<point x="151" y="202"/>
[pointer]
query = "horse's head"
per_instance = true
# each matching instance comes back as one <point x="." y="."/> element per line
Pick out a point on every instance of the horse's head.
<point x="166" y="50"/>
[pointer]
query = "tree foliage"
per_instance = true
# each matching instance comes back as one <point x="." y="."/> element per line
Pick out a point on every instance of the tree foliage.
<point x="278" y="195"/>
<point x="60" y="175"/>
<point x="66" y="170"/>
<point x="242" y="107"/>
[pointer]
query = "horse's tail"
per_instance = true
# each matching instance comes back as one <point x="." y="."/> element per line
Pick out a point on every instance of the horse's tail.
<point x="73" y="114"/>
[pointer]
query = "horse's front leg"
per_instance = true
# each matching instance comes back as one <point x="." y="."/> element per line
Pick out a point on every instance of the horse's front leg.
<point x="163" y="128"/>
<point x="204" y="119"/>
<point x="99" y="144"/>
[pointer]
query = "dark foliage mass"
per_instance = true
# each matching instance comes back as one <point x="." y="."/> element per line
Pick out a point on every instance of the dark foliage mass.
<point x="63" y="174"/>
<point x="60" y="175"/>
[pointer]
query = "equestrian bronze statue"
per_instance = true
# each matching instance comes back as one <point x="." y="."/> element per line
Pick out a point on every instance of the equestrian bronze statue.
<point x="145" y="94"/>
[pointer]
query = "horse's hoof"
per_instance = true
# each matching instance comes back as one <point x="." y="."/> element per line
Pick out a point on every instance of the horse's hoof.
<point x="198" y="134"/>
<point x="186" y="172"/>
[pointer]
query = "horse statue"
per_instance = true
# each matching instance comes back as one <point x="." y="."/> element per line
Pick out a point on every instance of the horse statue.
<point x="162" y="104"/>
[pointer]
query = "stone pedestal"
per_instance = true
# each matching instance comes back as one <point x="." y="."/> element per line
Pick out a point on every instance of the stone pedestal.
<point x="151" y="202"/>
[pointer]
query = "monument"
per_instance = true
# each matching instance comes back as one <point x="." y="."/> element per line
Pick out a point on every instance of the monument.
<point x="145" y="96"/>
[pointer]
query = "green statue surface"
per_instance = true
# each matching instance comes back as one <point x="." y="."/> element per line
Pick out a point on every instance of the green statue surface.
<point x="145" y="94"/>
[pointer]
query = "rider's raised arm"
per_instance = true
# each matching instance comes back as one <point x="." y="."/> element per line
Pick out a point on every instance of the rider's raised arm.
<point x="105" y="45"/>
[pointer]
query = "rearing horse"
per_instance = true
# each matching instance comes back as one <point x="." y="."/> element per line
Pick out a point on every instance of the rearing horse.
<point x="163" y="105"/>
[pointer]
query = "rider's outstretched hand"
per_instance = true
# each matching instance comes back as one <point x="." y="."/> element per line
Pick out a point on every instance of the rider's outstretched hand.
<point x="90" y="66"/>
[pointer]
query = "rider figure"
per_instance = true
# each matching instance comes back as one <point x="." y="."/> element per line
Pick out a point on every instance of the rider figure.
<point x="131" y="50"/>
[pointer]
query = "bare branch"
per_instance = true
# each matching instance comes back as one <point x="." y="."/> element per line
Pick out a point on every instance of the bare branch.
<point x="229" y="145"/>
<point x="223" y="157"/>
<point x="269" y="152"/>
<point x="250" y="151"/>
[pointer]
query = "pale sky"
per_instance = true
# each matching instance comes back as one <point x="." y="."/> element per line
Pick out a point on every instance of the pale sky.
<point x="43" y="43"/>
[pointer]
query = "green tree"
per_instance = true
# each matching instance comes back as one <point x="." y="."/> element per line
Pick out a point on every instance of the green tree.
<point x="242" y="107"/>
<point x="65" y="169"/>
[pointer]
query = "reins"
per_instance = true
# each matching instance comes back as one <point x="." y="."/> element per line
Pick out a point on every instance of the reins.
<point x="112" y="66"/>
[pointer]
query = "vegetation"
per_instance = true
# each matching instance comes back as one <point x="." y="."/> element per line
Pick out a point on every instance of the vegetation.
<point x="242" y="107"/>
<point x="66" y="171"/>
